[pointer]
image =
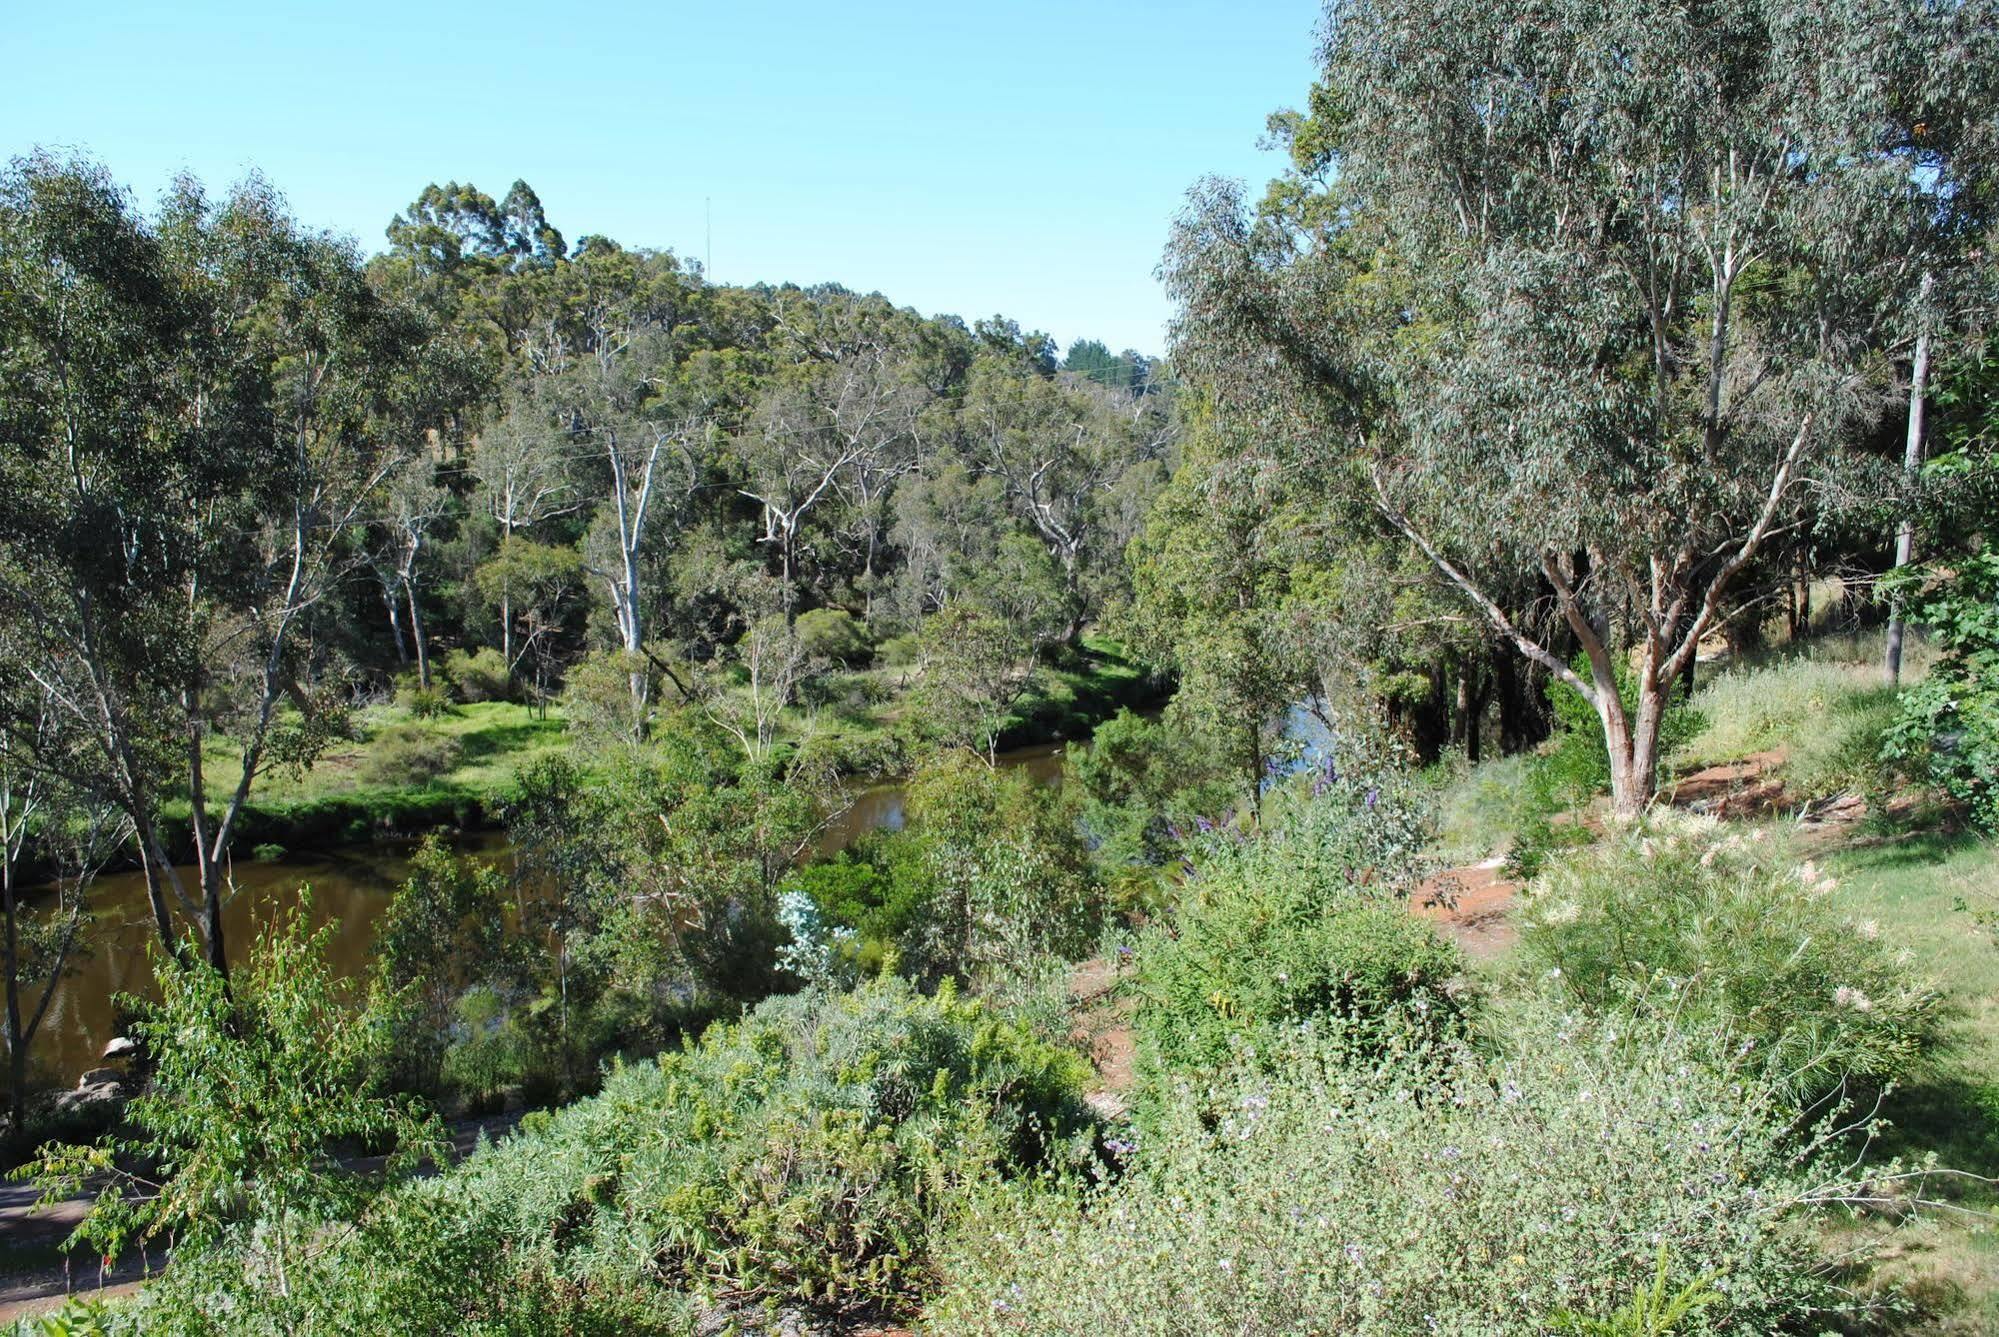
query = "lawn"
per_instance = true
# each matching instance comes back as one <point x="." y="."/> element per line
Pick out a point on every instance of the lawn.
<point x="1930" y="892"/>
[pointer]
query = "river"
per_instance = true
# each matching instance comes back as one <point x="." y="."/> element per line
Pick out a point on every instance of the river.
<point x="350" y="887"/>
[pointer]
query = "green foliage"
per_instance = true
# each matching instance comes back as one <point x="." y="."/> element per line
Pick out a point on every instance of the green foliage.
<point x="409" y="755"/>
<point x="1435" y="1189"/>
<point x="1300" y="926"/>
<point x="421" y="702"/>
<point x="257" y="1083"/>
<point x="806" y="1156"/>
<point x="477" y="675"/>
<point x="443" y="931"/>
<point x="1947" y="733"/>
<point x="1724" y="932"/>
<point x="1141" y="779"/>
<point x="1653" y="1312"/>
<point x="77" y="1318"/>
<point x="900" y="651"/>
<point x="648" y="891"/>
<point x="1009" y="880"/>
<point x="833" y="634"/>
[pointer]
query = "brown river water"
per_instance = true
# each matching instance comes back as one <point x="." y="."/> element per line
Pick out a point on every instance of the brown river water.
<point x="349" y="888"/>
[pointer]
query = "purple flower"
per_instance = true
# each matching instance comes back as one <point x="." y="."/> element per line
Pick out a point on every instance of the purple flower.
<point x="1372" y="795"/>
<point x="1204" y="824"/>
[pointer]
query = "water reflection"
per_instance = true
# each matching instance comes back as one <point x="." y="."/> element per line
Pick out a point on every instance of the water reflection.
<point x="350" y="888"/>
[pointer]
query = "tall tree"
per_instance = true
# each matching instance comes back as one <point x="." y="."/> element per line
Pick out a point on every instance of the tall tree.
<point x="196" y="412"/>
<point x="1599" y="292"/>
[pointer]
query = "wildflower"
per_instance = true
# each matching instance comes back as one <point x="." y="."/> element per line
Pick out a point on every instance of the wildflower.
<point x="1848" y="996"/>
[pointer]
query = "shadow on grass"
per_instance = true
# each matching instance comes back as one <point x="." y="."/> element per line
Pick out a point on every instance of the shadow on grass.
<point x="499" y="739"/>
<point x="1957" y="1118"/>
<point x="1888" y="845"/>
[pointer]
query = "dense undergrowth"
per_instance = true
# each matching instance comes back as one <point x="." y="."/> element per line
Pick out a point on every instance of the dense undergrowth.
<point x="1674" y="1089"/>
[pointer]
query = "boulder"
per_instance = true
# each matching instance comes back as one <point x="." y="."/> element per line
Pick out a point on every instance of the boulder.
<point x="122" y="1047"/>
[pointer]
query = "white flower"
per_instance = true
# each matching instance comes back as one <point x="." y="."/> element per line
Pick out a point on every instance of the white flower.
<point x="1848" y="996"/>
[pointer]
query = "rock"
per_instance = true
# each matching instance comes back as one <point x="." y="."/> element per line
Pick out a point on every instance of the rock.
<point x="121" y="1047"/>
<point x="97" y="1093"/>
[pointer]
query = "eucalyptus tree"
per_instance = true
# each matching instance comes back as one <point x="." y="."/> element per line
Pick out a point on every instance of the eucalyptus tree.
<point x="1604" y="292"/>
<point x="196" y="410"/>
<point x="413" y="508"/>
<point x="525" y="477"/>
<point x="820" y="422"/>
<point x="1077" y="460"/>
<point x="617" y="398"/>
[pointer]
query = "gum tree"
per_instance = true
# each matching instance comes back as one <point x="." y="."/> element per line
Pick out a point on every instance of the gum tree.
<point x="1604" y="293"/>
<point x="195" y="408"/>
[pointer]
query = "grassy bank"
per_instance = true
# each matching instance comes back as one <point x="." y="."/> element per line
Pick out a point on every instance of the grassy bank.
<point x="402" y="774"/>
<point x="1810" y="720"/>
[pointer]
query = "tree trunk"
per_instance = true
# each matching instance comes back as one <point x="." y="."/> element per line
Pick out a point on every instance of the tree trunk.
<point x="416" y="635"/>
<point x="394" y="606"/>
<point x="1912" y="463"/>
<point x="17" y="1046"/>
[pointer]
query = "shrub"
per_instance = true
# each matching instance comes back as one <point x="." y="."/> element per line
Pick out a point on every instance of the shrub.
<point x="1725" y="931"/>
<point x="1303" y="922"/>
<point x="422" y="703"/>
<point x="1947" y="732"/>
<point x="1008" y="878"/>
<point x="408" y="754"/>
<point x="1425" y="1191"/>
<point x="900" y="651"/>
<point x="259" y="1082"/>
<point x="833" y="633"/>
<point x="803" y="1155"/>
<point x="1258" y="948"/>
<point x="478" y="675"/>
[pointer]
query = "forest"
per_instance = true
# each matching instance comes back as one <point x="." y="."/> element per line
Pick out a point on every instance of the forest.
<point x="543" y="793"/>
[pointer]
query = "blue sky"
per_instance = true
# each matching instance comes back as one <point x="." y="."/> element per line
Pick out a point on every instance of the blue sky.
<point x="1022" y="158"/>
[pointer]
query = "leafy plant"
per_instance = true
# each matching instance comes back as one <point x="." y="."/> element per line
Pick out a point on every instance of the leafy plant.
<point x="1433" y="1188"/>
<point x="1947" y="733"/>
<point x="1652" y="1312"/>
<point x="1725" y="931"/>
<point x="409" y="754"/>
<point x="258" y="1084"/>
<point x="477" y="675"/>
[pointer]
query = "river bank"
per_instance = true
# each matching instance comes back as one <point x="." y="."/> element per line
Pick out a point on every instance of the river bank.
<point x="404" y="775"/>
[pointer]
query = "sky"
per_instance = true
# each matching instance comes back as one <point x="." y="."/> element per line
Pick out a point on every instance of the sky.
<point x="1023" y="159"/>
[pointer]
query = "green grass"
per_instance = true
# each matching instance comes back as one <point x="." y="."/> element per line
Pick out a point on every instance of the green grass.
<point x="496" y="738"/>
<point x="333" y="803"/>
<point x="1825" y="713"/>
<point x="1929" y="892"/>
<point x="1482" y="809"/>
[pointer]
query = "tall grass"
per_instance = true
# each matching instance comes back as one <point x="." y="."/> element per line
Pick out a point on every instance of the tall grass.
<point x="1824" y="711"/>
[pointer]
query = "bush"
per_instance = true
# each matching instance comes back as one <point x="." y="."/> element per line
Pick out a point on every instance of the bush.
<point x="1433" y="1190"/>
<point x="1947" y="732"/>
<point x="1724" y="931"/>
<point x="833" y="633"/>
<point x="900" y="651"/>
<point x="1304" y="922"/>
<point x="803" y="1155"/>
<point x="422" y="703"/>
<point x="1257" y="949"/>
<point x="478" y="675"/>
<point x="408" y="755"/>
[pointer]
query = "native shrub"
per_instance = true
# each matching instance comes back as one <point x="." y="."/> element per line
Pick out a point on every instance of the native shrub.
<point x="407" y="755"/>
<point x="1432" y="1189"/>
<point x="1725" y="931"/>
<point x="834" y="634"/>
